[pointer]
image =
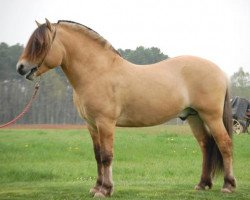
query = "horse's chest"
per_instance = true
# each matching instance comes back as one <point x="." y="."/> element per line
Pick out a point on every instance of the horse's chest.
<point x="91" y="107"/>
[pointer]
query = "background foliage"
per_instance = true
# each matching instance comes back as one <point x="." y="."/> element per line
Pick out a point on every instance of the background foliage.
<point x="142" y="55"/>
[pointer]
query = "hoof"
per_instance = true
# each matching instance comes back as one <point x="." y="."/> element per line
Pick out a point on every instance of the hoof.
<point x="93" y="191"/>
<point x="226" y="190"/>
<point x="99" y="195"/>
<point x="198" y="187"/>
<point x="203" y="186"/>
<point x="229" y="185"/>
<point x="101" y="191"/>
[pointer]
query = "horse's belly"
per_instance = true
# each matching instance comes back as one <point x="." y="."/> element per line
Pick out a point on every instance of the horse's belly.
<point x="146" y="117"/>
<point x="126" y="121"/>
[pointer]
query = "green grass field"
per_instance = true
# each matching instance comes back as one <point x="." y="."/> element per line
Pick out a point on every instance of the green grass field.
<point x="162" y="162"/>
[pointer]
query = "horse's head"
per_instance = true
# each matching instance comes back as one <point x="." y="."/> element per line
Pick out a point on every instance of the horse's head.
<point x="41" y="53"/>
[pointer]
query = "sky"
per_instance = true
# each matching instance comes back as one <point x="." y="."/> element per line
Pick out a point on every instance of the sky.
<point x="218" y="30"/>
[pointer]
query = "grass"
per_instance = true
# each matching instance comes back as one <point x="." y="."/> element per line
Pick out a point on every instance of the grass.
<point x="162" y="162"/>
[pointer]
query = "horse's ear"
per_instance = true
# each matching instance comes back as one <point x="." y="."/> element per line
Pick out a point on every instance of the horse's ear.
<point x="38" y="24"/>
<point x="48" y="24"/>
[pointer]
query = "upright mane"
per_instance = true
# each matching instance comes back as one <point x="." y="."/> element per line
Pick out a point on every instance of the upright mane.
<point x="91" y="33"/>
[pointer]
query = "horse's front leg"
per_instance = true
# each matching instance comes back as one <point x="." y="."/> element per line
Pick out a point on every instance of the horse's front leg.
<point x="106" y="133"/>
<point x="96" y="145"/>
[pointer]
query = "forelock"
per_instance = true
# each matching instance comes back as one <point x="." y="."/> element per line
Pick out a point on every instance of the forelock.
<point x="38" y="43"/>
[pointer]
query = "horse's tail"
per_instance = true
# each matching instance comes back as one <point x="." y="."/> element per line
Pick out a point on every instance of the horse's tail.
<point x="227" y="115"/>
<point x="214" y="152"/>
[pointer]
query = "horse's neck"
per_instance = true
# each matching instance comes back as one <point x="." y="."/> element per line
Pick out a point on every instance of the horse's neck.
<point x="85" y="61"/>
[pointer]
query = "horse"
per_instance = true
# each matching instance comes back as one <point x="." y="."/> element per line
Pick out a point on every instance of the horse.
<point x="109" y="91"/>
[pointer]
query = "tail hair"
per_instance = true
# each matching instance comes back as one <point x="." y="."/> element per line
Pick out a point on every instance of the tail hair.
<point x="213" y="152"/>
<point x="227" y="115"/>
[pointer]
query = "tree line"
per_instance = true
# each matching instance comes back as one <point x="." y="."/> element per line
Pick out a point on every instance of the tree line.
<point x="54" y="104"/>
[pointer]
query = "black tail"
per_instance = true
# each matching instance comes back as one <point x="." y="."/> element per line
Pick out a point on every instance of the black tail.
<point x="227" y="115"/>
<point x="213" y="152"/>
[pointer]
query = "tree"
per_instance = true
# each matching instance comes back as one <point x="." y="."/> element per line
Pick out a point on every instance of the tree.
<point x="241" y="83"/>
<point x="8" y="59"/>
<point x="142" y="55"/>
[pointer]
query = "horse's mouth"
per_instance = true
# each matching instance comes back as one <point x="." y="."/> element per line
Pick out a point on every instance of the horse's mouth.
<point x="30" y="76"/>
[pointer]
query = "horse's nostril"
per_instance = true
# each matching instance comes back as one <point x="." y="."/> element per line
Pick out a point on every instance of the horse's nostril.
<point x="21" y="66"/>
<point x="20" y="69"/>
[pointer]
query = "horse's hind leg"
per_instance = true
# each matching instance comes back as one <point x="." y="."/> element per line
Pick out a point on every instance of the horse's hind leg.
<point x="204" y="140"/>
<point x="224" y="143"/>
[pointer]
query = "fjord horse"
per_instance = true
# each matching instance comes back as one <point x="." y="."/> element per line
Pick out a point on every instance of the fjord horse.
<point x="109" y="91"/>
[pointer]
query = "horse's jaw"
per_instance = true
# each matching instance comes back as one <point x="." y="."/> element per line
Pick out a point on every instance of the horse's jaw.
<point x="31" y="74"/>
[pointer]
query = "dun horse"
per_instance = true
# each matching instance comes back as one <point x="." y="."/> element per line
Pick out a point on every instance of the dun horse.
<point x="110" y="91"/>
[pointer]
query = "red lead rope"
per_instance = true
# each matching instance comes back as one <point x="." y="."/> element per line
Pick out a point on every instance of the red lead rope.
<point x="27" y="107"/>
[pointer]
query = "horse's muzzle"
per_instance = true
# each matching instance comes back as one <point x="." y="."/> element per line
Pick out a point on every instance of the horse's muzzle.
<point x="28" y="71"/>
